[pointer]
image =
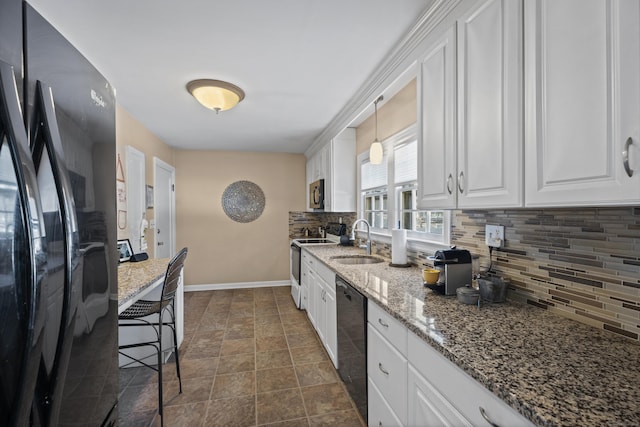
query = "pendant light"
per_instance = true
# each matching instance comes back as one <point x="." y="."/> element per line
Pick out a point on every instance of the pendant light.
<point x="376" y="152"/>
<point x="215" y="94"/>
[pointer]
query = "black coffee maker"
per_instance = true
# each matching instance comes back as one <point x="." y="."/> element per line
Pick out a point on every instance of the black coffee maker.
<point x="455" y="270"/>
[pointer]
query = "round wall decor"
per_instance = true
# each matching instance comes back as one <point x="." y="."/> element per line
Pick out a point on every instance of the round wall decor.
<point x="243" y="201"/>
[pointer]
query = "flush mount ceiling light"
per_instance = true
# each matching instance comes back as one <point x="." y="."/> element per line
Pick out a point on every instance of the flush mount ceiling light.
<point x="375" y="151"/>
<point x="215" y="94"/>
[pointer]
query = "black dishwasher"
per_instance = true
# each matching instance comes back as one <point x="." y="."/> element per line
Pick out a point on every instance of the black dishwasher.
<point x="352" y="342"/>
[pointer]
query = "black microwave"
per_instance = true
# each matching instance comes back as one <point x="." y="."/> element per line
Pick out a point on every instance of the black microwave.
<point x="316" y="194"/>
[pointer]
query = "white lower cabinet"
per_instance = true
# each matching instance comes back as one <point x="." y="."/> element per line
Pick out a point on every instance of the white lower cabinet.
<point x="439" y="389"/>
<point x="412" y="384"/>
<point x="387" y="369"/>
<point x="380" y="413"/>
<point x="427" y="407"/>
<point x="321" y="299"/>
<point x="327" y="318"/>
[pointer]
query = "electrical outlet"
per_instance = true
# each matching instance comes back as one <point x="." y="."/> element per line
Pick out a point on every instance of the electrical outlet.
<point x="494" y="235"/>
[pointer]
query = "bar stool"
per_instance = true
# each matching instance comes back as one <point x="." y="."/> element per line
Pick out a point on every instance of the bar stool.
<point x="135" y="316"/>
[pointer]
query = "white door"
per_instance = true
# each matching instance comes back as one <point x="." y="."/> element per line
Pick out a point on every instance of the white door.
<point x="489" y="107"/>
<point x="164" y="207"/>
<point x="436" y="122"/>
<point x="583" y="102"/>
<point x="135" y="179"/>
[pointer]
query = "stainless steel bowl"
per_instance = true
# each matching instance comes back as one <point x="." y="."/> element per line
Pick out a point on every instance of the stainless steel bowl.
<point x="468" y="295"/>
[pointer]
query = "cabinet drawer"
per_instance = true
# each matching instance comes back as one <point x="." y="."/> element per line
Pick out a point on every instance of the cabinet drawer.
<point x="390" y="328"/>
<point x="465" y="394"/>
<point x="380" y="413"/>
<point x="387" y="368"/>
<point x="326" y="273"/>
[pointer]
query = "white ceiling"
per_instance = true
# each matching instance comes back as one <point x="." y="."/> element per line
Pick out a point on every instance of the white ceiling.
<point x="298" y="61"/>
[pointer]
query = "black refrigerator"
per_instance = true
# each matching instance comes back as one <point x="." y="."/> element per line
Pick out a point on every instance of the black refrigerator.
<point x="58" y="258"/>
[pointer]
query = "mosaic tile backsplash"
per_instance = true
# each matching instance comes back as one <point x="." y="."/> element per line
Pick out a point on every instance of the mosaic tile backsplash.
<point x="301" y="220"/>
<point x="582" y="263"/>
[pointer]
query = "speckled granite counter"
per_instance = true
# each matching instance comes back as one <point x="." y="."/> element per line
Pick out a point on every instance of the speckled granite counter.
<point x="134" y="278"/>
<point x="554" y="371"/>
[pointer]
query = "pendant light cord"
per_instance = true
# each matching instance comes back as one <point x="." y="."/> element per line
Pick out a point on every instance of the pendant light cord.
<point x="375" y="103"/>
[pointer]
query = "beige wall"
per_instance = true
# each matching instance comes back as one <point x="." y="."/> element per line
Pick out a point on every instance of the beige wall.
<point x="395" y="115"/>
<point x="131" y="132"/>
<point x="220" y="249"/>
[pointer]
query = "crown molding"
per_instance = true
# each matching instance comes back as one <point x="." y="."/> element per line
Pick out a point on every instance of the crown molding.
<point x="401" y="58"/>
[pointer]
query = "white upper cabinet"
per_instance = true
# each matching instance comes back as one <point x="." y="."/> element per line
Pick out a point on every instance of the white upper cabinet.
<point x="470" y="111"/>
<point x="582" y="133"/>
<point x="436" y="123"/>
<point x="335" y="162"/>
<point x="490" y="105"/>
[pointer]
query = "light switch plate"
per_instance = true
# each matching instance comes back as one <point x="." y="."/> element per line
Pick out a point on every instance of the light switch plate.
<point x="494" y="235"/>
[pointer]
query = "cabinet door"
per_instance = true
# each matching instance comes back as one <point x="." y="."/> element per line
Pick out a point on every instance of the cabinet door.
<point x="331" y="331"/>
<point x="427" y="407"/>
<point x="489" y="107"/>
<point x="471" y="400"/>
<point x="379" y="413"/>
<point x="436" y="123"/>
<point x="342" y="178"/>
<point x="312" y="297"/>
<point x="319" y="307"/>
<point x="582" y="101"/>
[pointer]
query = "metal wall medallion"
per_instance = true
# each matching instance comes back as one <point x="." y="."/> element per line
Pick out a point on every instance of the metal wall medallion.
<point x="243" y="201"/>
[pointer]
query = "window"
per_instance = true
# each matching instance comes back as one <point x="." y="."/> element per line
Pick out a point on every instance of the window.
<point x="389" y="192"/>
<point x="374" y="191"/>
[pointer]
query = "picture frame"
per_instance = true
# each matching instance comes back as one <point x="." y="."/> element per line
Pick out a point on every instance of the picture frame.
<point x="124" y="249"/>
<point x="149" y="196"/>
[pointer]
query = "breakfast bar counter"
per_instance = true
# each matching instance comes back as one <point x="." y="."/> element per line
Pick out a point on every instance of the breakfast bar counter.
<point x="144" y="279"/>
<point x="136" y="279"/>
<point x="552" y="370"/>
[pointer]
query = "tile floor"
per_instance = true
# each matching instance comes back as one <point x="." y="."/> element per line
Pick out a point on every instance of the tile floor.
<point x="249" y="358"/>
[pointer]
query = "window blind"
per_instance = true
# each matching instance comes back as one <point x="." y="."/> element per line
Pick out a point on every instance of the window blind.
<point x="406" y="163"/>
<point x="373" y="176"/>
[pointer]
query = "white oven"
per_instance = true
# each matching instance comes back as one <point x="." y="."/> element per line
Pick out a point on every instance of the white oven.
<point x="298" y="287"/>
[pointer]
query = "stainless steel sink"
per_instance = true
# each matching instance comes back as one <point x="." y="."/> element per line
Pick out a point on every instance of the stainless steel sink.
<point x="357" y="259"/>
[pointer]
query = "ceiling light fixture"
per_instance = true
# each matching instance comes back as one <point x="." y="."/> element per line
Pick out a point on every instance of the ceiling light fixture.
<point x="375" y="151"/>
<point x="215" y="94"/>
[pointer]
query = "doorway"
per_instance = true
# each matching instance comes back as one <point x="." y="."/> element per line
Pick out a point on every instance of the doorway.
<point x="135" y="196"/>
<point x="165" y="200"/>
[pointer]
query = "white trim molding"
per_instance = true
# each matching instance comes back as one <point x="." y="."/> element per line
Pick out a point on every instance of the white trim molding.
<point x="398" y="64"/>
<point x="237" y="285"/>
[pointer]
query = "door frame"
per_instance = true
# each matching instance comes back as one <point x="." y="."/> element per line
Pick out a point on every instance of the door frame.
<point x="135" y="177"/>
<point x="159" y="164"/>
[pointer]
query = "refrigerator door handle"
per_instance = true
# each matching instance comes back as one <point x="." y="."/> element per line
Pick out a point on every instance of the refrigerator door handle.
<point x="30" y="310"/>
<point x="46" y="141"/>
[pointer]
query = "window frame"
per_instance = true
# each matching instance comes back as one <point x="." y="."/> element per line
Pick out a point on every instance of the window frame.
<point x="417" y="238"/>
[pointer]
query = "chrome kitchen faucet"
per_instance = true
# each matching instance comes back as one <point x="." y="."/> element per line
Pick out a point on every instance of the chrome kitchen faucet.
<point x="353" y="234"/>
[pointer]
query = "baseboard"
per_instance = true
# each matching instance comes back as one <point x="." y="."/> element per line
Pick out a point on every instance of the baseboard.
<point x="238" y="285"/>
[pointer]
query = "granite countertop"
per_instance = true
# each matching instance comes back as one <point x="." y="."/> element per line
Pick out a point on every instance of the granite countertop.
<point x="135" y="277"/>
<point x="553" y="370"/>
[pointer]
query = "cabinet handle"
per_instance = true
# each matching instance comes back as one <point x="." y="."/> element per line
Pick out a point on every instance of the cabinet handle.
<point x="382" y="323"/>
<point x="460" y="178"/>
<point x="625" y="157"/>
<point x="486" y="417"/>
<point x="449" y="180"/>
<point x="382" y="369"/>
